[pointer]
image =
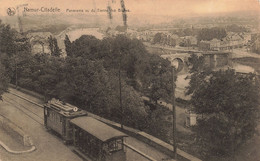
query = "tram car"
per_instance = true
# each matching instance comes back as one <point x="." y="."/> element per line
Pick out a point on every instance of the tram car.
<point x="57" y="116"/>
<point x="97" y="141"/>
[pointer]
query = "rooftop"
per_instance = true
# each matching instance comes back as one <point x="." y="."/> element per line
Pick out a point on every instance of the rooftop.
<point x="65" y="109"/>
<point x="97" y="128"/>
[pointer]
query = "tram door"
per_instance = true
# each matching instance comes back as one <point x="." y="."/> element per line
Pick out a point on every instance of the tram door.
<point x="76" y="136"/>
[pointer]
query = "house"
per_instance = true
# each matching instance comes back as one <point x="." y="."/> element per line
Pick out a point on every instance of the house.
<point x="234" y="40"/>
<point x="254" y="37"/>
<point x="255" y="46"/>
<point x="204" y="45"/>
<point x="231" y="41"/>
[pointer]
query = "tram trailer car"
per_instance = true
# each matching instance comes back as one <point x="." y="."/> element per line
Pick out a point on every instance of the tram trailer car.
<point x="57" y="116"/>
<point x="97" y="141"/>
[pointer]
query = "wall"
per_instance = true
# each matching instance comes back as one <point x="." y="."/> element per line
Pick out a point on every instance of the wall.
<point x="15" y="131"/>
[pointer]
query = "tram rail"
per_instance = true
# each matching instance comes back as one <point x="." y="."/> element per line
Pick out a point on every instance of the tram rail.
<point x="9" y="100"/>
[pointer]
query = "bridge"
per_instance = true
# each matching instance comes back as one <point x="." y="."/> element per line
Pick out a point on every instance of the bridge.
<point x="212" y="59"/>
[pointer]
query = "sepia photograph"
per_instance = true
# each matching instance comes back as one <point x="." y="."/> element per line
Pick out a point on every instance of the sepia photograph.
<point x="129" y="80"/>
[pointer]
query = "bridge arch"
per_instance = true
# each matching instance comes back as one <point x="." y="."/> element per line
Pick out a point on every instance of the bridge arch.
<point x="179" y="64"/>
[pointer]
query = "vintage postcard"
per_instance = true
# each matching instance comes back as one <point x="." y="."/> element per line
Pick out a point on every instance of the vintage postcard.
<point x="129" y="80"/>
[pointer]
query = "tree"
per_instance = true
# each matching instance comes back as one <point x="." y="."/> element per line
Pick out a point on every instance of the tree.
<point x="87" y="84"/>
<point x="11" y="45"/>
<point x="4" y="80"/>
<point x="211" y="33"/>
<point x="68" y="46"/>
<point x="157" y="38"/>
<point x="53" y="44"/>
<point x="121" y="28"/>
<point x="86" y="46"/>
<point x="198" y="73"/>
<point x="156" y="78"/>
<point x="228" y="102"/>
<point x="7" y="43"/>
<point x="236" y="28"/>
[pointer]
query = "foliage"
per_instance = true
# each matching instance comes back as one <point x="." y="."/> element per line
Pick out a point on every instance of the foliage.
<point x="158" y="125"/>
<point x="86" y="46"/>
<point x="7" y="43"/>
<point x="164" y="39"/>
<point x="7" y="49"/>
<point x="89" y="76"/>
<point x="55" y="50"/>
<point x="228" y="105"/>
<point x="68" y="46"/>
<point x="198" y="73"/>
<point x="157" y="38"/>
<point x="88" y="85"/>
<point x="184" y="32"/>
<point x="228" y="102"/>
<point x="121" y="28"/>
<point x="147" y="73"/>
<point x="211" y="33"/>
<point x="157" y="80"/>
<point x="4" y="80"/>
<point x="235" y="28"/>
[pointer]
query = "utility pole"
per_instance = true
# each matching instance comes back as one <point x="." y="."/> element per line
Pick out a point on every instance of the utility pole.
<point x="15" y="73"/>
<point x="174" y="115"/>
<point x="120" y="91"/>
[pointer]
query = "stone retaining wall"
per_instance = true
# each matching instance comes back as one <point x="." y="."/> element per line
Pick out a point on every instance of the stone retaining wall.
<point x="26" y="91"/>
<point x="15" y="131"/>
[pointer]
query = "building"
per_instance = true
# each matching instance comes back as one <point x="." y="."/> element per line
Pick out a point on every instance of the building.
<point x="231" y="41"/>
<point x="255" y="43"/>
<point x="254" y="37"/>
<point x="191" y="118"/>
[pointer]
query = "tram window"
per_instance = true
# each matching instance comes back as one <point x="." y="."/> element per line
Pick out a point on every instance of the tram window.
<point x="119" y="144"/>
<point x="105" y="148"/>
<point x="112" y="145"/>
<point x="115" y="145"/>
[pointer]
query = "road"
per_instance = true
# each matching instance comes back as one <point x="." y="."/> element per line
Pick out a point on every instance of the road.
<point x="49" y="146"/>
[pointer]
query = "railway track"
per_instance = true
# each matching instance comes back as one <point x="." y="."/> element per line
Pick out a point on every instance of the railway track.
<point x="28" y="112"/>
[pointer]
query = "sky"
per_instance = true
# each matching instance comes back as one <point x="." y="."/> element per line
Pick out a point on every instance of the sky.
<point x="150" y="7"/>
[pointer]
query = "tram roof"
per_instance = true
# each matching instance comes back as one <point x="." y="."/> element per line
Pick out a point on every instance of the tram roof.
<point x="97" y="128"/>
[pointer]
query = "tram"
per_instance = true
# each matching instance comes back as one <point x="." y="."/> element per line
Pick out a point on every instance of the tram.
<point x="91" y="138"/>
<point x="57" y="115"/>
